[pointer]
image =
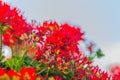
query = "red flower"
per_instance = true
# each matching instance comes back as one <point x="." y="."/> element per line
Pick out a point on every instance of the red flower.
<point x="28" y="74"/>
<point x="2" y="72"/>
<point x="57" y="78"/>
<point x="63" y="37"/>
<point x="16" y="24"/>
<point x="12" y="74"/>
<point x="115" y="70"/>
<point x="8" y="39"/>
<point x="48" y="26"/>
<point x="90" y="47"/>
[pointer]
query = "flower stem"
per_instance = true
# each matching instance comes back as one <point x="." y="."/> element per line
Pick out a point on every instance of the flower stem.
<point x="0" y="41"/>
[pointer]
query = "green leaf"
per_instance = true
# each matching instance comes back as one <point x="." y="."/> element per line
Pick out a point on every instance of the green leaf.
<point x="69" y="75"/>
<point x="99" y="53"/>
<point x="15" y="63"/>
<point x="28" y="62"/>
<point x="2" y="64"/>
<point x="1" y="58"/>
<point x="90" y="58"/>
<point x="53" y="73"/>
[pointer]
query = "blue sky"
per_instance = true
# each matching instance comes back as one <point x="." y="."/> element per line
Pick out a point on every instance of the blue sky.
<point x="100" y="19"/>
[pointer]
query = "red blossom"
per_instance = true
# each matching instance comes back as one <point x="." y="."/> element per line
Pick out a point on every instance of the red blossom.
<point x="28" y="73"/>
<point x="58" y="47"/>
<point x="13" y="73"/>
<point x="57" y="78"/>
<point x="90" y="47"/>
<point x="2" y="72"/>
<point x="115" y="71"/>
<point x="9" y="39"/>
<point x="15" y="22"/>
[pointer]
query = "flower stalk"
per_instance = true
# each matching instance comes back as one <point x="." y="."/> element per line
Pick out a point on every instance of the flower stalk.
<point x="0" y="41"/>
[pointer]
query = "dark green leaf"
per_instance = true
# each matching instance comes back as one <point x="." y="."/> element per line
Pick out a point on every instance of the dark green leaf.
<point x="99" y="53"/>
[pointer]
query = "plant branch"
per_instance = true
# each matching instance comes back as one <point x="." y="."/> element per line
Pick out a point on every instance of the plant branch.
<point x="0" y="41"/>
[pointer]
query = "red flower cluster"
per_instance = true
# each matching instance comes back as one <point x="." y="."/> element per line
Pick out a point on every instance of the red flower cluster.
<point x="60" y="49"/>
<point x="60" y="44"/>
<point x="13" y="22"/>
<point x="55" y="45"/>
<point x="115" y="70"/>
<point x="62" y="39"/>
<point x="25" y="74"/>
<point x="84" y="70"/>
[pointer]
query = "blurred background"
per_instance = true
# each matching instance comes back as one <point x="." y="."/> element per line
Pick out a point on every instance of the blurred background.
<point x="99" y="19"/>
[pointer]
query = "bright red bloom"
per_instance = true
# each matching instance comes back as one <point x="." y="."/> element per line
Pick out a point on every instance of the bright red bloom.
<point x="12" y="73"/>
<point x="2" y="72"/>
<point x="58" y="47"/>
<point x="93" y="73"/>
<point x="48" y="26"/>
<point x="90" y="47"/>
<point x="57" y="78"/>
<point x="8" y="38"/>
<point x="61" y="46"/>
<point x="60" y="43"/>
<point x="28" y="73"/>
<point x="16" y="24"/>
<point x="115" y="71"/>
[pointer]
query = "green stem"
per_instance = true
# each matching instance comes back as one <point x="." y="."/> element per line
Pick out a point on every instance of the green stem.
<point x="11" y="49"/>
<point x="41" y="71"/>
<point x="24" y="54"/>
<point x="0" y="41"/>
